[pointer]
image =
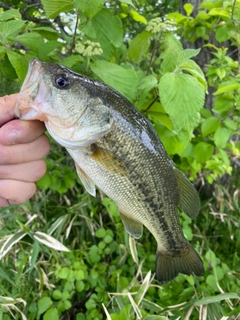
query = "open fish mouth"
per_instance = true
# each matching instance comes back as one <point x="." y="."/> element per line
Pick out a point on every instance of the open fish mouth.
<point x="33" y="93"/>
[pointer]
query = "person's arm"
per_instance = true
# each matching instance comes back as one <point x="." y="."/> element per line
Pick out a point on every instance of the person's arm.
<point x="23" y="145"/>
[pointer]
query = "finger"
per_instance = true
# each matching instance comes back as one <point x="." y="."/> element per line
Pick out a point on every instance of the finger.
<point x="19" y="131"/>
<point x="7" y="106"/>
<point x="29" y="172"/>
<point x="15" y="192"/>
<point x="26" y="152"/>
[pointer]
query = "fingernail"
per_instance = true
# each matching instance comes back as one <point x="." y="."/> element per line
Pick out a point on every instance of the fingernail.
<point x="11" y="136"/>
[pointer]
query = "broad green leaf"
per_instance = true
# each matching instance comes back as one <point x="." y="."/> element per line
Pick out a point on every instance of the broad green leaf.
<point x="54" y="7"/>
<point x="47" y="33"/>
<point x="137" y="17"/>
<point x="219" y="12"/>
<point x="49" y="241"/>
<point x="187" y="54"/>
<point x="227" y="87"/>
<point x="202" y="15"/>
<point x="192" y="68"/>
<point x="19" y="63"/>
<point x="172" y="49"/>
<point x="216" y="298"/>
<point x="188" y="7"/>
<point x="210" y="125"/>
<point x="223" y="104"/>
<point x="203" y="151"/>
<point x="44" y="304"/>
<point x="223" y="33"/>
<point x="47" y="48"/>
<point x="108" y="28"/>
<point x="31" y="40"/>
<point x="10" y="29"/>
<point x="89" y="7"/>
<point x="70" y="61"/>
<point x="182" y="97"/>
<point x="10" y="14"/>
<point x="123" y="80"/>
<point x="148" y="83"/>
<point x="174" y="142"/>
<point x="139" y="46"/>
<point x="221" y="137"/>
<point x="229" y="123"/>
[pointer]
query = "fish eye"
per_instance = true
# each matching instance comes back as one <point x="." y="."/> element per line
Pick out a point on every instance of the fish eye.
<point x="62" y="81"/>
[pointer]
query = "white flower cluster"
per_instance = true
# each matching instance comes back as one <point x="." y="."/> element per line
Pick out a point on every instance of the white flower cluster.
<point x="157" y="25"/>
<point x="89" y="48"/>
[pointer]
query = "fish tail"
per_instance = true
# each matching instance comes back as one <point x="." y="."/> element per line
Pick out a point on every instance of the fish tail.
<point x="168" y="266"/>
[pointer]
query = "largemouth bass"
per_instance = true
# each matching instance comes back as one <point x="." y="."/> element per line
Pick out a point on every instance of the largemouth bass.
<point x="115" y="148"/>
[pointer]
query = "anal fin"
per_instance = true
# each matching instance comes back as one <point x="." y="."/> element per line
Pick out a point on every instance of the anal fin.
<point x="86" y="181"/>
<point x="133" y="227"/>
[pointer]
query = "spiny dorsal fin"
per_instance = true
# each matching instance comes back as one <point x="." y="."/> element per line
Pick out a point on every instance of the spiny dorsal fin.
<point x="189" y="201"/>
<point x="86" y="181"/>
<point x="133" y="227"/>
<point x="109" y="161"/>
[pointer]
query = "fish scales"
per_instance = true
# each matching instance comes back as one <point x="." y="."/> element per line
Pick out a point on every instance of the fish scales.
<point x="116" y="148"/>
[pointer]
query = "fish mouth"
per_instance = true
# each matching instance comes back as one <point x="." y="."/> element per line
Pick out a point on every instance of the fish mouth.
<point x="33" y="93"/>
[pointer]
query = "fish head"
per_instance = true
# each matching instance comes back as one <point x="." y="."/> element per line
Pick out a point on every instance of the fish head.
<point x="58" y="96"/>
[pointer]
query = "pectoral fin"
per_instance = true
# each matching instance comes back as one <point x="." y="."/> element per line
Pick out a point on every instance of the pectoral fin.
<point x="133" y="227"/>
<point x="86" y="181"/>
<point x="189" y="200"/>
<point x="109" y="161"/>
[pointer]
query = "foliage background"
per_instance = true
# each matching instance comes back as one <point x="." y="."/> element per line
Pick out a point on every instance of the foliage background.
<point x="148" y="51"/>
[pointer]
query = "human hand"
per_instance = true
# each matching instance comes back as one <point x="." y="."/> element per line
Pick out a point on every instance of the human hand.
<point x="23" y="145"/>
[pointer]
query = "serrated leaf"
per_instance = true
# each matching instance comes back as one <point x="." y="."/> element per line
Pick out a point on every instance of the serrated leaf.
<point x="10" y="29"/>
<point x="11" y="14"/>
<point x="182" y="97"/>
<point x="54" y="7"/>
<point x="192" y="68"/>
<point x="139" y="46"/>
<point x="31" y="40"/>
<point x="108" y="28"/>
<point x="89" y="7"/>
<point x="210" y="125"/>
<point x="187" y="54"/>
<point x="117" y="77"/>
<point x="172" y="49"/>
<point x="49" y="241"/>
<point x="19" y="63"/>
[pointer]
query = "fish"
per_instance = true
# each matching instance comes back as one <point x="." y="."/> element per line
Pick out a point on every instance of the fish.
<point x="116" y="148"/>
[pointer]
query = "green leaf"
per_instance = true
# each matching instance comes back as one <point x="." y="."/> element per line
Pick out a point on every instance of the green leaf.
<point x="51" y="314"/>
<point x="216" y="298"/>
<point x="182" y="97"/>
<point x="203" y="151"/>
<point x="210" y="125"/>
<point x="187" y="54"/>
<point x="127" y="1"/>
<point x="221" y="137"/>
<point x="117" y="77"/>
<point x="89" y="7"/>
<point x="188" y="7"/>
<point x="172" y="49"/>
<point x="54" y="7"/>
<point x="139" y="46"/>
<point x="192" y="68"/>
<point x="227" y="87"/>
<point x="108" y="28"/>
<point x="223" y="33"/>
<point x="19" y="63"/>
<point x="47" y="48"/>
<point x="219" y="12"/>
<point x="44" y="304"/>
<point x="11" y="14"/>
<point x="10" y="241"/>
<point x="10" y="29"/>
<point x="174" y="142"/>
<point x="47" y="33"/>
<point x="137" y="17"/>
<point x="31" y="40"/>
<point x="5" y="276"/>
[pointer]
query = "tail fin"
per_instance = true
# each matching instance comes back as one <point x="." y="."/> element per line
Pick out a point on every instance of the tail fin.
<point x="169" y="266"/>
